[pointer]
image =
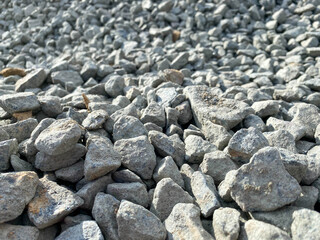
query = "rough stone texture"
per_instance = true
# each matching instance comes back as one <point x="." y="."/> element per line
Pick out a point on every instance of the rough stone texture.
<point x="257" y="187"/>
<point x="226" y="223"/>
<point x="245" y="143"/>
<point x="305" y="224"/>
<point x="51" y="204"/>
<point x="46" y="162"/>
<point x="196" y="148"/>
<point x="259" y="230"/>
<point x="307" y="198"/>
<point x="266" y="108"/>
<point x="128" y="127"/>
<point x="65" y="77"/>
<point x="18" y="232"/>
<point x="104" y="212"/>
<point x="216" y="134"/>
<point x="166" y="195"/>
<point x="313" y="165"/>
<point x="217" y="164"/>
<point x="154" y="113"/>
<point x="95" y="119"/>
<point x="84" y="230"/>
<point x="101" y="158"/>
<point x="59" y="137"/>
<point x="281" y="139"/>
<point x="72" y="173"/>
<point x="207" y="105"/>
<point x="50" y="105"/>
<point x="137" y="154"/>
<point x="186" y="173"/>
<point x="137" y="223"/>
<point x="184" y="223"/>
<point x="31" y="80"/>
<point x="21" y="130"/>
<point x="7" y="148"/>
<point x="172" y="75"/>
<point x="19" y="102"/>
<point x="16" y="191"/>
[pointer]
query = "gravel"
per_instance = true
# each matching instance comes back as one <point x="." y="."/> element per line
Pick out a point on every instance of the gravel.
<point x="155" y="119"/>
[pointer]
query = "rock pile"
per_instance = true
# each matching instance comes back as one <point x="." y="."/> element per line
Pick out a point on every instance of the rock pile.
<point x="149" y="119"/>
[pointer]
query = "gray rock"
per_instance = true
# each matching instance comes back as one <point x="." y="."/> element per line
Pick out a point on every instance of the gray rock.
<point x="46" y="162"/>
<point x="90" y="190"/>
<point x="66" y="77"/>
<point x="307" y="198"/>
<point x="126" y="176"/>
<point x="72" y="173"/>
<point x="180" y="61"/>
<point x="89" y="70"/>
<point x="316" y="184"/>
<point x="305" y="224"/>
<point x="50" y="105"/>
<point x="207" y="105"/>
<point x="205" y="192"/>
<point x="19" y="102"/>
<point x="256" y="186"/>
<point x="133" y="192"/>
<point x="51" y="204"/>
<point x="304" y="146"/>
<point x="185" y="114"/>
<point x="3" y="135"/>
<point x="255" y="121"/>
<point x="137" y="223"/>
<point x="20" y="130"/>
<point x="71" y="221"/>
<point x="84" y="230"/>
<point x="245" y="143"/>
<point x="20" y="165"/>
<point x="184" y="223"/>
<point x="95" y="119"/>
<point x="166" y="168"/>
<point x="154" y="113"/>
<point x="224" y="187"/>
<point x="104" y="212"/>
<point x="196" y="148"/>
<point x="165" y="96"/>
<point x="16" y="190"/>
<point x="128" y="127"/>
<point x="186" y="173"/>
<point x="31" y="80"/>
<point x="114" y="86"/>
<point x="259" y="230"/>
<point x="226" y="223"/>
<point x="168" y="146"/>
<point x="217" y="164"/>
<point x="101" y="158"/>
<point x="313" y="51"/>
<point x="216" y="134"/>
<point x="18" y="232"/>
<point x="7" y="148"/>
<point x="137" y="154"/>
<point x="313" y="166"/>
<point x="317" y="134"/>
<point x="281" y="139"/>
<point x="59" y="137"/>
<point x="166" y="195"/>
<point x="266" y="108"/>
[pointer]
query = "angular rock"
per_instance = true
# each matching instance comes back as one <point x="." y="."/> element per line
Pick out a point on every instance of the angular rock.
<point x="184" y="223"/>
<point x="19" y="102"/>
<point x="101" y="158"/>
<point x="305" y="224"/>
<point x="20" y="165"/>
<point x="16" y="191"/>
<point x="255" y="121"/>
<point x="60" y="137"/>
<point x="172" y="75"/>
<point x="307" y="198"/>
<point x="128" y="127"/>
<point x="84" y="230"/>
<point x="226" y="223"/>
<point x="281" y="139"/>
<point x="166" y="195"/>
<point x="266" y="108"/>
<point x="137" y="223"/>
<point x="31" y="80"/>
<point x="65" y="77"/>
<point x="313" y="165"/>
<point x="20" y="130"/>
<point x="17" y="232"/>
<point x="126" y="176"/>
<point x="114" y="86"/>
<point x="50" y="105"/>
<point x="154" y="113"/>
<point x="186" y="173"/>
<point x="216" y="134"/>
<point x="256" y="186"/>
<point x="95" y="119"/>
<point x="72" y="173"/>
<point x="104" y="212"/>
<point x="7" y="148"/>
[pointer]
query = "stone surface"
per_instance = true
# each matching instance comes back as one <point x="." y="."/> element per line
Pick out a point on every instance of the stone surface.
<point x="21" y="130"/>
<point x="128" y="127"/>
<point x="154" y="113"/>
<point x="305" y="224"/>
<point x="226" y="223"/>
<point x="95" y="119"/>
<point x="137" y="223"/>
<point x="65" y="77"/>
<point x="7" y="148"/>
<point x="84" y="230"/>
<point x="31" y="80"/>
<point x="18" y="232"/>
<point x="19" y="102"/>
<point x="72" y="173"/>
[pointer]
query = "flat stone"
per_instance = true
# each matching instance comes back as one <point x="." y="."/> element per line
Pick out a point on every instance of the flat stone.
<point x="184" y="223"/>
<point x="17" y="232"/>
<point x="166" y="195"/>
<point x="51" y="204"/>
<point x="20" y="165"/>
<point x="137" y="223"/>
<point x="313" y="51"/>
<point x="31" y="80"/>
<point x="137" y="154"/>
<point x="19" y="102"/>
<point x="101" y="158"/>
<point x="60" y="137"/>
<point x="305" y="224"/>
<point x="180" y="61"/>
<point x="95" y="119"/>
<point x="65" y="77"/>
<point x="71" y="221"/>
<point x="126" y="176"/>
<point x="133" y="192"/>
<point x="7" y="148"/>
<point x="205" y="192"/>
<point x="128" y="127"/>
<point x="168" y="146"/>
<point x="217" y="164"/>
<point x="245" y="143"/>
<point x="165" y="96"/>
<point x="196" y="148"/>
<point x="104" y="212"/>
<point x="84" y="230"/>
<point x="256" y="186"/>
<point x="226" y="223"/>
<point x="16" y="191"/>
<point x="207" y="105"/>
<point x="72" y="173"/>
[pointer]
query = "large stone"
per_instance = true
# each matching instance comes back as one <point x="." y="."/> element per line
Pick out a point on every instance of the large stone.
<point x="137" y="223"/>
<point x="305" y="225"/>
<point x="31" y="80"/>
<point x="18" y="232"/>
<point x="16" y="191"/>
<point x="51" y="204"/>
<point x="85" y="230"/>
<point x="154" y="113"/>
<point x="166" y="195"/>
<point x="101" y="158"/>
<point x="281" y="139"/>
<point x="128" y="127"/>
<point x="137" y="154"/>
<point x="104" y="211"/>
<point x="184" y="223"/>
<point x="207" y="105"/>
<point x="60" y="137"/>
<point x="256" y="186"/>
<point x="19" y="102"/>
<point x="226" y="223"/>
